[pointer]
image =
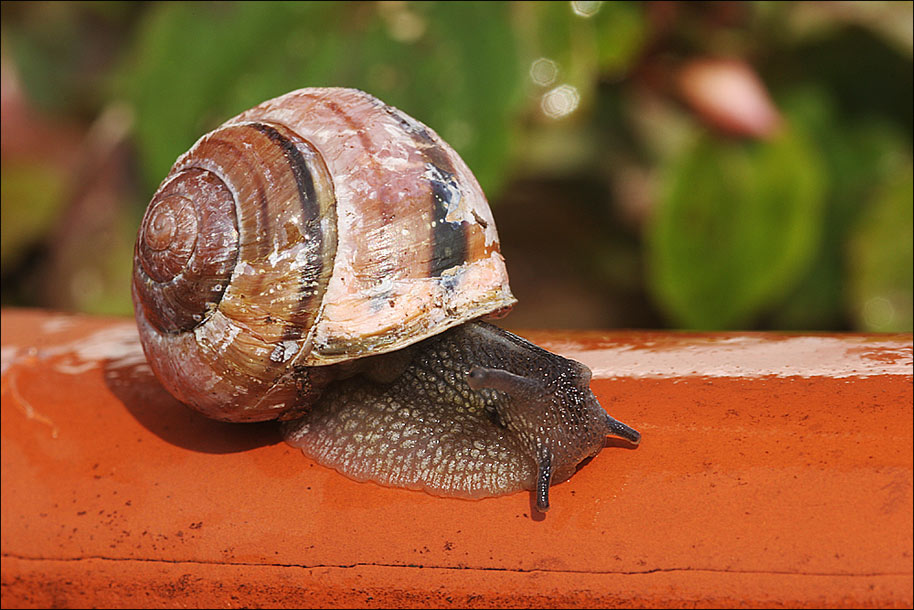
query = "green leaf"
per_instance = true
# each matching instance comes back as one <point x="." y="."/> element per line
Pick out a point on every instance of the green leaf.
<point x="28" y="213"/>
<point x="189" y="66"/>
<point x="453" y="66"/>
<point x="882" y="251"/>
<point x="622" y="32"/>
<point x="606" y="40"/>
<point x="736" y="226"/>
<point x="860" y="158"/>
<point x="463" y="78"/>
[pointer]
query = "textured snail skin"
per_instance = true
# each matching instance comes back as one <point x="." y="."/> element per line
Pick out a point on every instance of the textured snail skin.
<point x="475" y="412"/>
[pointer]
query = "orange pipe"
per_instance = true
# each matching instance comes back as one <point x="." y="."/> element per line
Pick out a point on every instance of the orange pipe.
<point x="774" y="470"/>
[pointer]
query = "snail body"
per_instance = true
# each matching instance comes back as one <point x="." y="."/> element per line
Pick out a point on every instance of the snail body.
<point x="475" y="411"/>
<point x="322" y="252"/>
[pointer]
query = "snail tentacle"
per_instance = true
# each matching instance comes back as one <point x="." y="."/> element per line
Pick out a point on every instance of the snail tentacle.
<point x="617" y="428"/>
<point x="543" y="480"/>
<point x="499" y="379"/>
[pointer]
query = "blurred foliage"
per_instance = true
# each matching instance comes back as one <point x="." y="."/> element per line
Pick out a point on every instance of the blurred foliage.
<point x="422" y="61"/>
<point x="692" y="165"/>
<point x="740" y="221"/>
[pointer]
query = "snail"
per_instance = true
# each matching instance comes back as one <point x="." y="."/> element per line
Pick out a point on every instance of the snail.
<point x="325" y="260"/>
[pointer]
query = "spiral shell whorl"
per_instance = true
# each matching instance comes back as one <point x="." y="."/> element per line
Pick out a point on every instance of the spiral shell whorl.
<point x="226" y="314"/>
<point x="186" y="250"/>
<point x="169" y="237"/>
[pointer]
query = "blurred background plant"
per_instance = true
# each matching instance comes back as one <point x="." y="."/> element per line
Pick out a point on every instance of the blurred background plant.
<point x="687" y="165"/>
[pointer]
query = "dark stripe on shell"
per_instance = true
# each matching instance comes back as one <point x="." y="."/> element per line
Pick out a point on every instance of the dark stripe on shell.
<point x="299" y="167"/>
<point x="311" y="219"/>
<point x="449" y="239"/>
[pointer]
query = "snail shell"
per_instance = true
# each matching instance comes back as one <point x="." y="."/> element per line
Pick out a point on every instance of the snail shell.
<point x="324" y="259"/>
<point x="315" y="228"/>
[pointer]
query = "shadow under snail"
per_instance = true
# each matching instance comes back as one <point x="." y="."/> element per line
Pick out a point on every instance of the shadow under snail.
<point x="325" y="259"/>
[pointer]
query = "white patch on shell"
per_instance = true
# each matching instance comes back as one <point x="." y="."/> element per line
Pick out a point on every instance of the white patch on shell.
<point x="278" y="256"/>
<point x="284" y="351"/>
<point x="243" y="268"/>
<point x="221" y="340"/>
<point x="454" y="198"/>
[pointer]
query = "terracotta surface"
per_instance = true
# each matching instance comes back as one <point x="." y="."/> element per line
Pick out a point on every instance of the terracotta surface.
<point x="775" y="470"/>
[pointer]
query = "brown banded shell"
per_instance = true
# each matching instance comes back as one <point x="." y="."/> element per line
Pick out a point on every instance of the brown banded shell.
<point x="315" y="228"/>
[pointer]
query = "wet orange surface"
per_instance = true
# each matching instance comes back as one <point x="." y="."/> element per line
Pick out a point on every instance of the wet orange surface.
<point x="775" y="470"/>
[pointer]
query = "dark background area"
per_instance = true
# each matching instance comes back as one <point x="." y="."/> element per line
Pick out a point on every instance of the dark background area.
<point x="657" y="165"/>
